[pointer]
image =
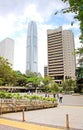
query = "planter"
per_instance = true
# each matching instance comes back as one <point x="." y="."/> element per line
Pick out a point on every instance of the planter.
<point x="7" y="106"/>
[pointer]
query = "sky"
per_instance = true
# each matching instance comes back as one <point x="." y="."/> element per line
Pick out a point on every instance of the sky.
<point x="15" y="16"/>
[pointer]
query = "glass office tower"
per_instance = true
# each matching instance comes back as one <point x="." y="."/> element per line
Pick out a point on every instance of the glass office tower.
<point x="31" y="49"/>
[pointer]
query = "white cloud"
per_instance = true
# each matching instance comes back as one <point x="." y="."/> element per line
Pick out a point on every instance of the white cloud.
<point x="6" y="25"/>
<point x="69" y="26"/>
<point x="77" y="42"/>
<point x="14" y="18"/>
<point x="32" y="13"/>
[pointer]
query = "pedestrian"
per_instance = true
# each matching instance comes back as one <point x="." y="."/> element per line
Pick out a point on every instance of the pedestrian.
<point x="60" y="97"/>
<point x="54" y="95"/>
<point x="45" y="94"/>
<point x="28" y="92"/>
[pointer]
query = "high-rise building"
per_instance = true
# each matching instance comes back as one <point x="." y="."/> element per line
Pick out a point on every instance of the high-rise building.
<point x="61" y="61"/>
<point x="32" y="49"/>
<point x="7" y="50"/>
<point x="45" y="71"/>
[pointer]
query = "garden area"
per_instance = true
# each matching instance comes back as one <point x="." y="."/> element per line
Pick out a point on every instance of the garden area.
<point x="14" y="102"/>
<point x="14" y="83"/>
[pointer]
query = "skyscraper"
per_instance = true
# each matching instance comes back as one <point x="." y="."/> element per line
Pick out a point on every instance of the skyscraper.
<point x="61" y="61"/>
<point x="7" y="50"/>
<point x="45" y="71"/>
<point x="32" y="49"/>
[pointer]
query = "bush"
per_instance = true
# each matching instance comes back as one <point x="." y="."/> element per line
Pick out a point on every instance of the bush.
<point x="4" y="94"/>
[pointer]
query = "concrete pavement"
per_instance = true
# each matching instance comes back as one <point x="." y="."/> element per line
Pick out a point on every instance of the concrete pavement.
<point x="6" y="124"/>
<point x="54" y="117"/>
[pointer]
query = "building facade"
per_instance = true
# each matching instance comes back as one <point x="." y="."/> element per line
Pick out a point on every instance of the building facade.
<point x="61" y="61"/>
<point x="7" y="50"/>
<point x="45" y="71"/>
<point x="32" y="49"/>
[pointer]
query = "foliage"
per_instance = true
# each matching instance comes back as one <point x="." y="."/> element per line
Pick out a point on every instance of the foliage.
<point x="17" y="96"/>
<point x="7" y="75"/>
<point x="15" y="78"/>
<point x="1" y="81"/>
<point x="79" y="80"/>
<point x="37" y="97"/>
<point x="4" y="94"/>
<point x="68" y="85"/>
<point x="79" y="50"/>
<point x="32" y="74"/>
<point x="46" y="80"/>
<point x="54" y="87"/>
<point x="34" y="80"/>
<point x="21" y="80"/>
<point x="79" y="72"/>
<point x="29" y="74"/>
<point x="76" y="7"/>
<point x="49" y="85"/>
<point x="44" y="84"/>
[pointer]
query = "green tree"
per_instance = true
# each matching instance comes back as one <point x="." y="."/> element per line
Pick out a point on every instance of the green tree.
<point x="21" y="79"/>
<point x="33" y="80"/>
<point x="68" y="85"/>
<point x="79" y="80"/>
<point x="76" y="7"/>
<point x="79" y="72"/>
<point x="1" y="81"/>
<point x="6" y="72"/>
<point x="46" y="80"/>
<point x="55" y="87"/>
<point x="45" y="83"/>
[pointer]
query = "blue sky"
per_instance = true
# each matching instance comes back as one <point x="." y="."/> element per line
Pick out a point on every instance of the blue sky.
<point x="15" y="16"/>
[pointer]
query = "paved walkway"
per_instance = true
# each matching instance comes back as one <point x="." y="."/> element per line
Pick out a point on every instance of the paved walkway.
<point x="55" y="117"/>
<point x="48" y="119"/>
<point x="16" y="125"/>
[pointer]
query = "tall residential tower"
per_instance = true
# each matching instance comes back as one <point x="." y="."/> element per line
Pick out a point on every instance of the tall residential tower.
<point x="32" y="49"/>
<point x="61" y="61"/>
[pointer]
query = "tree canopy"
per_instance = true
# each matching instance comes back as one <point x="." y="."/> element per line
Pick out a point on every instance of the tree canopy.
<point x="7" y="75"/>
<point x="68" y="85"/>
<point x="75" y="6"/>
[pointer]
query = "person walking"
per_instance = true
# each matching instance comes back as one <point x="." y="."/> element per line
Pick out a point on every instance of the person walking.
<point x="60" y="97"/>
<point x="54" y="95"/>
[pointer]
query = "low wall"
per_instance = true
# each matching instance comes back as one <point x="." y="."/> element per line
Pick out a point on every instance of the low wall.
<point x="12" y="105"/>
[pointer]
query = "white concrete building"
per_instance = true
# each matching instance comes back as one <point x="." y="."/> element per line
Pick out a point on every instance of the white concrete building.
<point x="7" y="50"/>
